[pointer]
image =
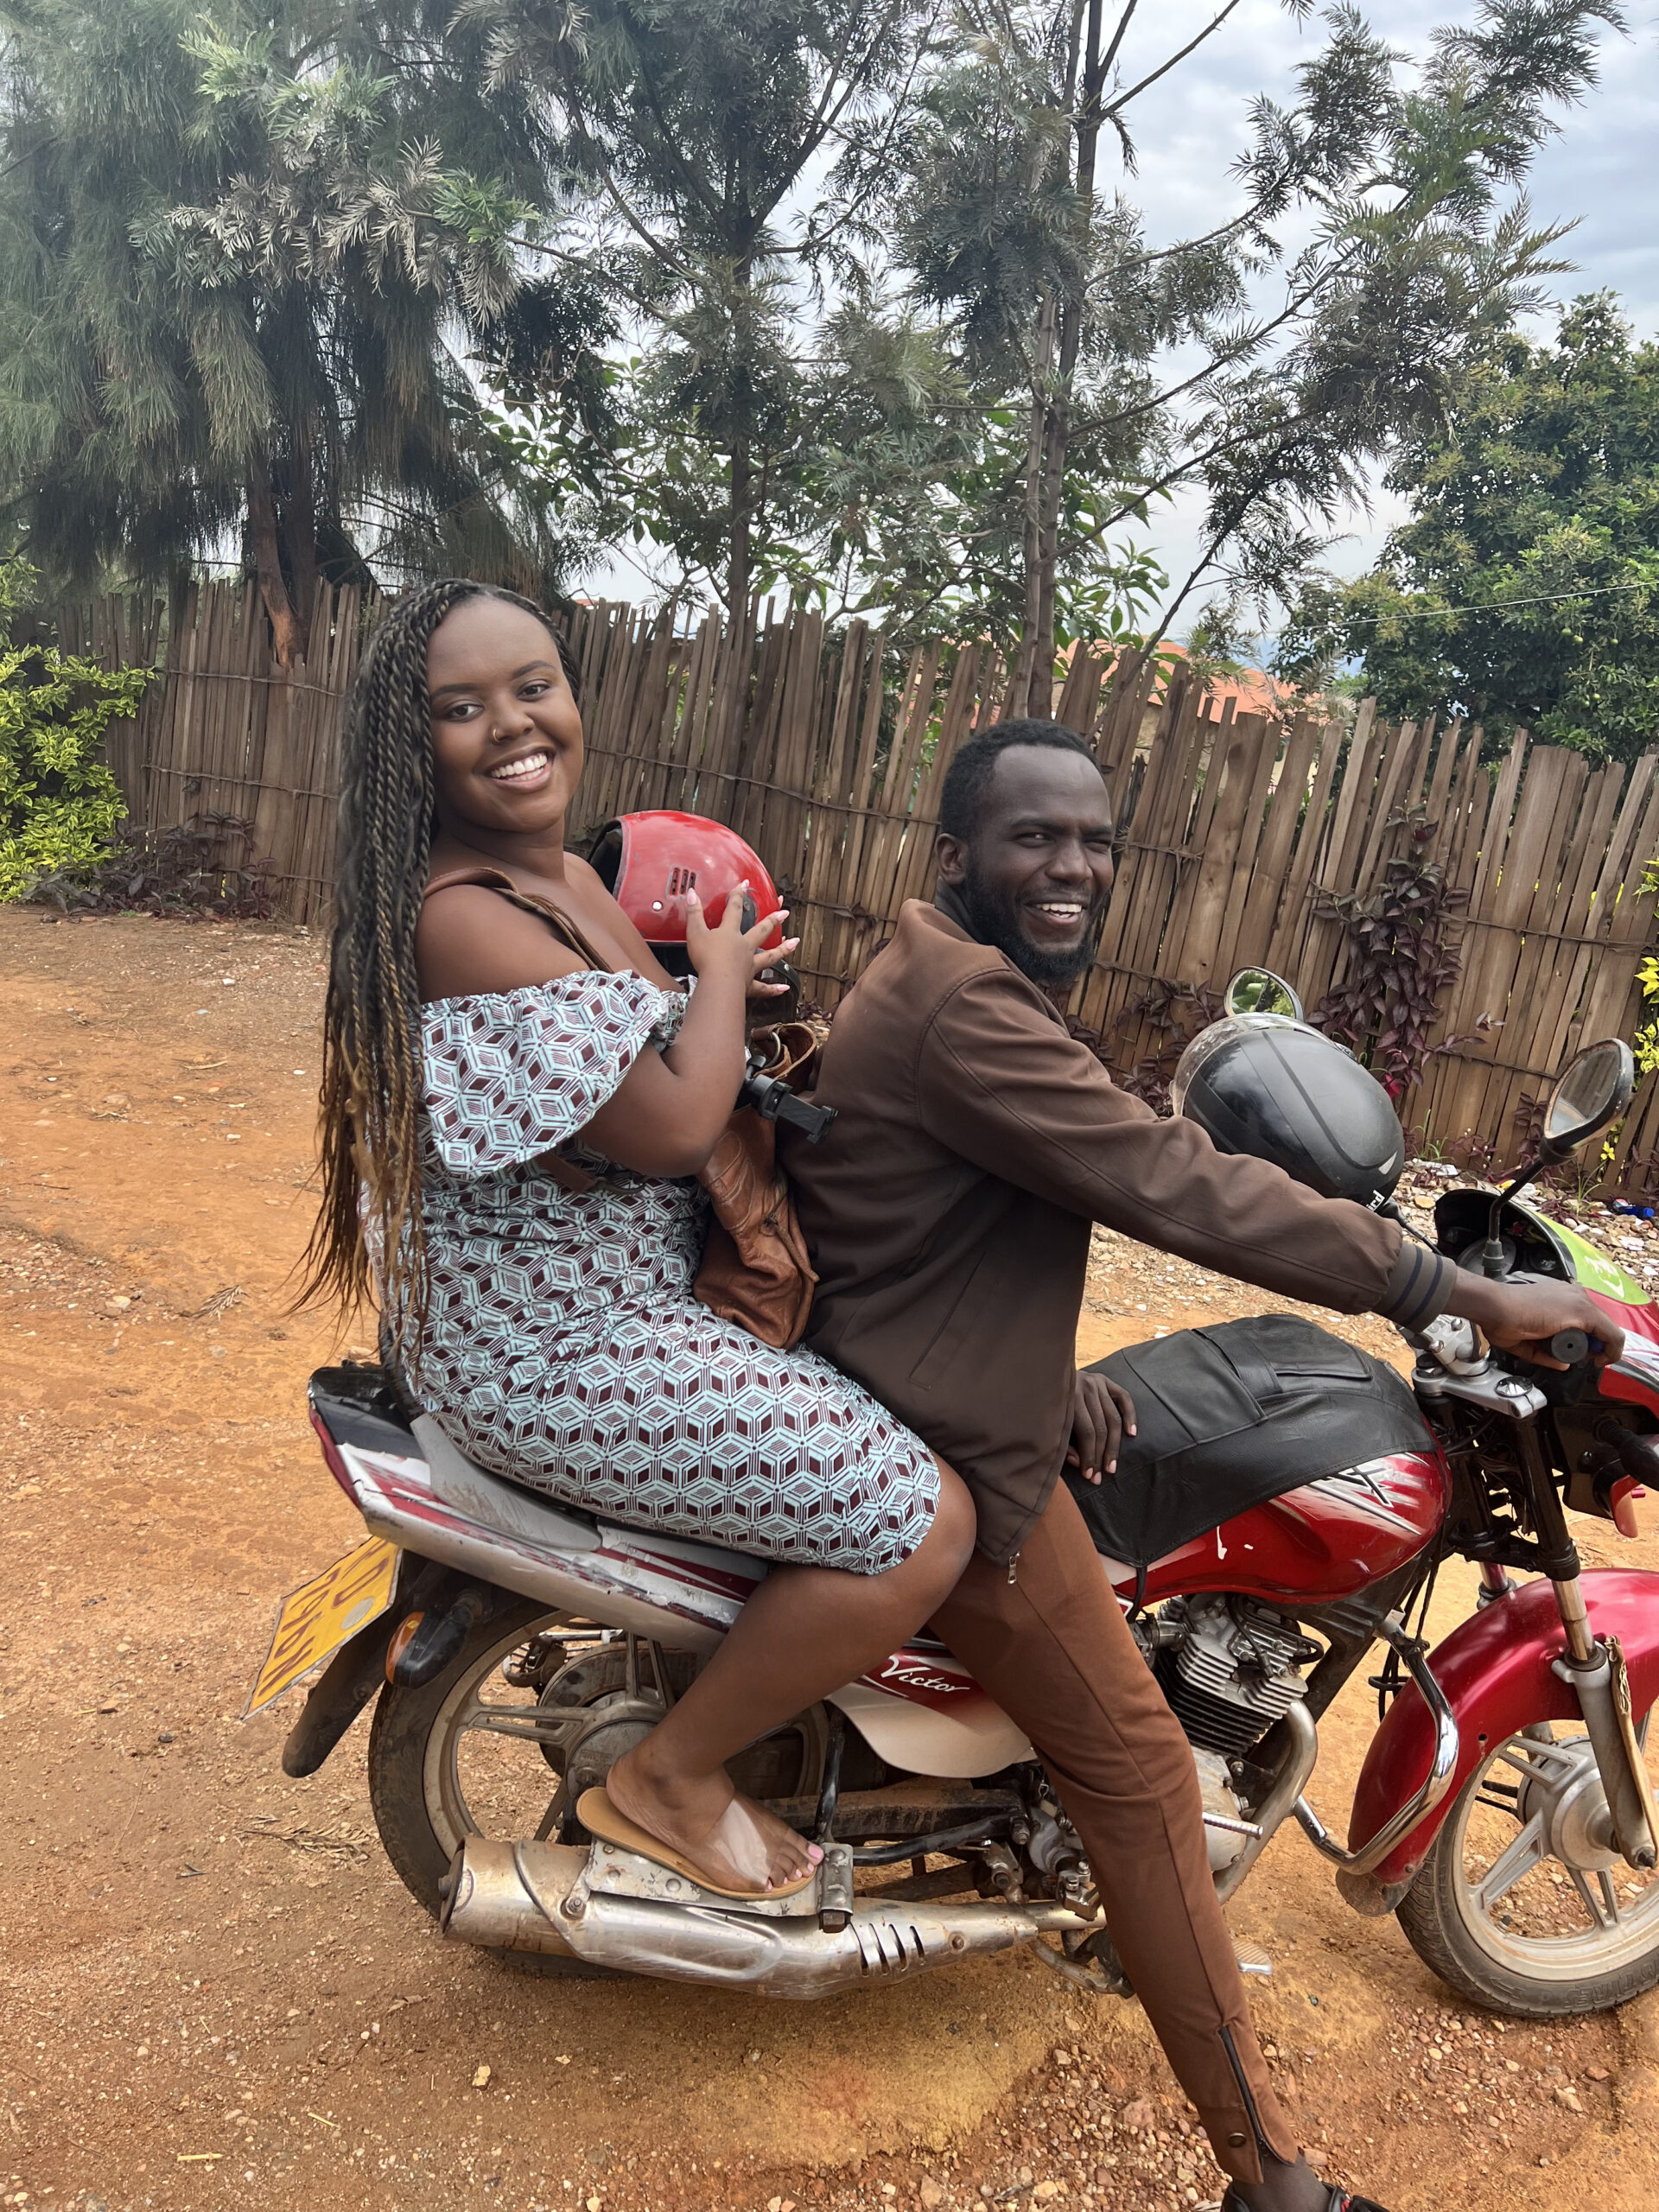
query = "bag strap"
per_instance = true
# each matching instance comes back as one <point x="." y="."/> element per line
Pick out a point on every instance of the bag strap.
<point x="557" y="1169"/>
<point x="497" y="878"/>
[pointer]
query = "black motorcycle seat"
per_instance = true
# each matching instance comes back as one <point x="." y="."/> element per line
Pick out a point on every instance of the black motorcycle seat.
<point x="1229" y="1416"/>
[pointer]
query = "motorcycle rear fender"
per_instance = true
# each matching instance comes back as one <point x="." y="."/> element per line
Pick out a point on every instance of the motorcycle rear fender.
<point x="1495" y="1670"/>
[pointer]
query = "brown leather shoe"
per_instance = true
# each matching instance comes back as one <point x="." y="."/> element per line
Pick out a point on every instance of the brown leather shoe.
<point x="1339" y="2201"/>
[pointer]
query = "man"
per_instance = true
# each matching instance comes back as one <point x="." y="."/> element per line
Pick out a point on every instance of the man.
<point x="948" y="1211"/>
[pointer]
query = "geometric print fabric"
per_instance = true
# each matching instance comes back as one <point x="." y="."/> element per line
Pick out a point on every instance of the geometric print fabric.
<point x="563" y="1347"/>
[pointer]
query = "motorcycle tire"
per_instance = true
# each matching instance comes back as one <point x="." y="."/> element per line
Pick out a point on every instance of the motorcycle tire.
<point x="1531" y="1960"/>
<point x="419" y="1832"/>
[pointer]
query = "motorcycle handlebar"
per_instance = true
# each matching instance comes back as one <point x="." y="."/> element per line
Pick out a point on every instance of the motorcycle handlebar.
<point x="1570" y="1347"/>
<point x="775" y="1101"/>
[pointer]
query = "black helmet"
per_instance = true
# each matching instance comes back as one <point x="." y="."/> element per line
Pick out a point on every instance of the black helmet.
<point x="1279" y="1091"/>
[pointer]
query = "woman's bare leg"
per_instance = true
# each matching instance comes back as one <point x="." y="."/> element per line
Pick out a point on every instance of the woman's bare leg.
<point x="806" y="1630"/>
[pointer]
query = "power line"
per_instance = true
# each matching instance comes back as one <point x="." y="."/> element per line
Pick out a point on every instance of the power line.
<point x="1493" y="606"/>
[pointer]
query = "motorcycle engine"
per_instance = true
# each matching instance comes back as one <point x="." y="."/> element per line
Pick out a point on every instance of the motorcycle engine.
<point x="1229" y="1669"/>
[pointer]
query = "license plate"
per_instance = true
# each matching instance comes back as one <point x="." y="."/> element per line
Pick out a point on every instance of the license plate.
<point x="321" y="1614"/>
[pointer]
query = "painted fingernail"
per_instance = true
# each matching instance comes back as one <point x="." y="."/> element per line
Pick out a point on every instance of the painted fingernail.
<point x="815" y="1852"/>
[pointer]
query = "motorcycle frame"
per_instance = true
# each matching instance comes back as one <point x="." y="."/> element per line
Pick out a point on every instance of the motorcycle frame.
<point x="1539" y="1652"/>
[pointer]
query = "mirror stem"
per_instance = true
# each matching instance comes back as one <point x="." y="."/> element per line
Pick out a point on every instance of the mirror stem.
<point x="1492" y="1261"/>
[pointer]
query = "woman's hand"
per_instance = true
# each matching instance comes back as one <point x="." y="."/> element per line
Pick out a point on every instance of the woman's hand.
<point x="761" y="986"/>
<point x="731" y="953"/>
<point x="1102" y="1415"/>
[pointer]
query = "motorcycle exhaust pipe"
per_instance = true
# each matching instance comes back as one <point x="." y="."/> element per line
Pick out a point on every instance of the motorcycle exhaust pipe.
<point x="530" y="1896"/>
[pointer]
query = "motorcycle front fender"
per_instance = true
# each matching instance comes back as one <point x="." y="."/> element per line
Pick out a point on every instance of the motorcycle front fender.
<point x="1495" y="1670"/>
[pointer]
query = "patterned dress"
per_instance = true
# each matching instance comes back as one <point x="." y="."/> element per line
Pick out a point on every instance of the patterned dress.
<point x="563" y="1347"/>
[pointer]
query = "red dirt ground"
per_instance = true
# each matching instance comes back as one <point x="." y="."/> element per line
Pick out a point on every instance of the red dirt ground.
<point x="219" y="1994"/>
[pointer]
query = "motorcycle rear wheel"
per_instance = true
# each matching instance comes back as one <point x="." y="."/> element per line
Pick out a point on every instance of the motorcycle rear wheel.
<point x="1515" y="1909"/>
<point x="425" y="1798"/>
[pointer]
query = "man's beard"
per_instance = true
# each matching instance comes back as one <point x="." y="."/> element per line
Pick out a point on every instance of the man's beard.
<point x="994" y="919"/>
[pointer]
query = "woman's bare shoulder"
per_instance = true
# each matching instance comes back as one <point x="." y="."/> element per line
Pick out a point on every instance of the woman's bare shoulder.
<point x="470" y="939"/>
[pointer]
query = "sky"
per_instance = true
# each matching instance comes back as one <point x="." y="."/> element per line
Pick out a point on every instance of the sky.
<point x="1597" y="173"/>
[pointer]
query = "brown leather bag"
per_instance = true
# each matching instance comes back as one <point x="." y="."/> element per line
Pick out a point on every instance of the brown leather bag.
<point x="755" y="1270"/>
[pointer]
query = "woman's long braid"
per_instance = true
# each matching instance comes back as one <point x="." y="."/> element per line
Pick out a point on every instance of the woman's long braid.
<point x="368" y="1233"/>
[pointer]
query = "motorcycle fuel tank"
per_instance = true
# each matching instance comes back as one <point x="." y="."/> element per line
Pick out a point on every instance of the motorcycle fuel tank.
<point x="1326" y="1539"/>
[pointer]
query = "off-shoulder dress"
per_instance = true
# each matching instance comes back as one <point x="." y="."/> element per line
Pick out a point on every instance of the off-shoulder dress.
<point x="563" y="1346"/>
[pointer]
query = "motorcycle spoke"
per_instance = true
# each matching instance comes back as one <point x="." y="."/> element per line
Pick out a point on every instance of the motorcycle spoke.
<point x="1610" y="1895"/>
<point x="1587" y="1899"/>
<point x="1526" y="1851"/>
<point x="554" y="1814"/>
<point x="1534" y="1759"/>
<point x="528" y="1727"/>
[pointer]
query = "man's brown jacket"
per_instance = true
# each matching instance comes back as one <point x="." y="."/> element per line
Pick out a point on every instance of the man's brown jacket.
<point x="948" y="1211"/>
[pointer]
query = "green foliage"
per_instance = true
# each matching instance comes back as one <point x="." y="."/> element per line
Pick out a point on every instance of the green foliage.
<point x="722" y="165"/>
<point x="1129" y="367"/>
<point x="236" y="248"/>
<point x="59" y="803"/>
<point x="1645" y="1043"/>
<point x="1541" y="485"/>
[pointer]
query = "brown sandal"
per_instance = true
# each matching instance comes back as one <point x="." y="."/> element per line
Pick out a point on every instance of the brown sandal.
<point x="600" y="1818"/>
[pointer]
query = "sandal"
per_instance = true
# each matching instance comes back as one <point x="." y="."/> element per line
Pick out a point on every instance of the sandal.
<point x="601" y="1818"/>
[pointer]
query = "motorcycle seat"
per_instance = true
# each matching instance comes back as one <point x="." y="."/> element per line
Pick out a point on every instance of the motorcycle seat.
<point x="365" y="1406"/>
<point x="1229" y="1416"/>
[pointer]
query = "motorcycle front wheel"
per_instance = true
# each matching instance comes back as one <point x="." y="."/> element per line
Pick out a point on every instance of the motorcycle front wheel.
<point x="1515" y="1907"/>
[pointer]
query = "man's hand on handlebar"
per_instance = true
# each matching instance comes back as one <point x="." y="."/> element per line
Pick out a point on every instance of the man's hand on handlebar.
<point x="1522" y="1317"/>
<point x="1101" y="1416"/>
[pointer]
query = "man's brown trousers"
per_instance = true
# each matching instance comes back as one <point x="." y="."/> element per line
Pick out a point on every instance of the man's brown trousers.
<point x="1052" y="1648"/>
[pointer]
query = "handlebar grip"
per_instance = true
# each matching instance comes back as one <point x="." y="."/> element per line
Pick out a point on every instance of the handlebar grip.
<point x="1570" y="1347"/>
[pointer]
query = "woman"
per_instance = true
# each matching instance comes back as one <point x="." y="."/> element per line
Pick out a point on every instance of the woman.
<point x="550" y="1328"/>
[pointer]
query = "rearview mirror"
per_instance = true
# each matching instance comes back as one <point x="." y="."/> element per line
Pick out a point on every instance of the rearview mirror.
<point x="1587" y="1094"/>
<point x="1258" y="990"/>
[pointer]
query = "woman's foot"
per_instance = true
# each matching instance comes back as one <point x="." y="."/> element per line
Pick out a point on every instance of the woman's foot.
<point x="735" y="1842"/>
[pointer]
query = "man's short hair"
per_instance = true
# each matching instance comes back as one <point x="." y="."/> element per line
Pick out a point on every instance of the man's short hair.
<point x="961" y="799"/>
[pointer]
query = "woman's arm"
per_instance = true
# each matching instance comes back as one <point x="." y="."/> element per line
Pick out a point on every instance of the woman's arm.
<point x="665" y="1116"/>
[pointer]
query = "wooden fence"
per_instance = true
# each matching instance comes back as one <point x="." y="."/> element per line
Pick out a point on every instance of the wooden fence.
<point x="1239" y="830"/>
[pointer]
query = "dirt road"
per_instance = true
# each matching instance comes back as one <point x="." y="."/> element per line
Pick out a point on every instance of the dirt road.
<point x="217" y="1993"/>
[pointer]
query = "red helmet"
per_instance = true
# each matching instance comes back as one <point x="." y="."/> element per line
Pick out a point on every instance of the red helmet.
<point x="649" y="861"/>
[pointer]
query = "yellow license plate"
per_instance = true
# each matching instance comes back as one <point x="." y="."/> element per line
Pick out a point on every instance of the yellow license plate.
<point x="320" y="1616"/>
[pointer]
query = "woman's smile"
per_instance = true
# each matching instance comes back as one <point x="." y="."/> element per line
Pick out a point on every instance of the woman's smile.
<point x="527" y="771"/>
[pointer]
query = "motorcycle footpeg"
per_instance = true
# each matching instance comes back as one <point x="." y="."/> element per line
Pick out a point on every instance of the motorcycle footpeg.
<point x="612" y="1871"/>
<point x="835" y="1888"/>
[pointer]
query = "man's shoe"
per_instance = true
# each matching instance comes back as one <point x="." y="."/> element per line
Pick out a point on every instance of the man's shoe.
<point x="1339" y="2201"/>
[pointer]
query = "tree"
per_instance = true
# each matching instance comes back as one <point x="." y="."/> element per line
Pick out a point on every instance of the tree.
<point x="1522" y="590"/>
<point x="1059" y="304"/>
<point x="237" y="249"/>
<point x="727" y="161"/>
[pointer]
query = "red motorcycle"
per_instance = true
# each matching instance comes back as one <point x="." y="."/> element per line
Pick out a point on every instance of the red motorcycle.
<point x="1505" y="1810"/>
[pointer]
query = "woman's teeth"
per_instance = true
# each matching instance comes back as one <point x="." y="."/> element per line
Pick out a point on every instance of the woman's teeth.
<point x="512" y="771"/>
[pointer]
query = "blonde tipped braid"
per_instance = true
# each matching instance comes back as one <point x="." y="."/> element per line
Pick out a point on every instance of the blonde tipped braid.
<point x="369" y="1235"/>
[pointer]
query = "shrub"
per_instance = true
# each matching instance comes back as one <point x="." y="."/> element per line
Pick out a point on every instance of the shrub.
<point x="59" y="803"/>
